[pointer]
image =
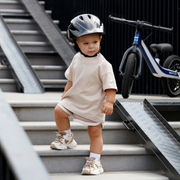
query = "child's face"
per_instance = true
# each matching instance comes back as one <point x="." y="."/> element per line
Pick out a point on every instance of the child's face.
<point x="89" y="44"/>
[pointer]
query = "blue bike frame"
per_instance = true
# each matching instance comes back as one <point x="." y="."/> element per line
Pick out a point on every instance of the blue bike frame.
<point x="140" y="48"/>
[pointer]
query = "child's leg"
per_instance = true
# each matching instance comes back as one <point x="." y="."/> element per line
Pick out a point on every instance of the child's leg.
<point x="93" y="165"/>
<point x="61" y="118"/>
<point x="96" y="141"/>
<point x="64" y="138"/>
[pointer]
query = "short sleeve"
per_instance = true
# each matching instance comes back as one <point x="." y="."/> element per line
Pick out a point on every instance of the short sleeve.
<point x="107" y="76"/>
<point x="68" y="73"/>
<point x="109" y="81"/>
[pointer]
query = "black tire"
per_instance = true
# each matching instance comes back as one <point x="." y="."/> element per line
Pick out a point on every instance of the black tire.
<point x="129" y="74"/>
<point x="171" y="86"/>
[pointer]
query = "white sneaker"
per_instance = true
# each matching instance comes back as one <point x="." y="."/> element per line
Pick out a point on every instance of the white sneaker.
<point x="93" y="166"/>
<point x="63" y="141"/>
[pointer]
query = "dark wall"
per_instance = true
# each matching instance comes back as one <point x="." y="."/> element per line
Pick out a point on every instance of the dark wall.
<point x="119" y="37"/>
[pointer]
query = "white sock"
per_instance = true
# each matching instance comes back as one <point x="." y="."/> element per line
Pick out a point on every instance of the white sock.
<point x="94" y="155"/>
<point x="68" y="132"/>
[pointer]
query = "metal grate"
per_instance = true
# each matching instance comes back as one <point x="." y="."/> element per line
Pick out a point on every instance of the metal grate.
<point x="119" y="37"/>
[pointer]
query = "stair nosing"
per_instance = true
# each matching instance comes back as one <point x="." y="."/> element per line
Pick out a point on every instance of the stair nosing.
<point x="47" y="67"/>
<point x="10" y="2"/>
<point x="19" y="20"/>
<point x="33" y="43"/>
<point x="25" y="32"/>
<point x="51" y="125"/>
<point x="83" y="150"/>
<point x="13" y="11"/>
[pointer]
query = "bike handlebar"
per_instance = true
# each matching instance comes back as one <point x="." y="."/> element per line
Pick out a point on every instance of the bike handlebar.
<point x="139" y="24"/>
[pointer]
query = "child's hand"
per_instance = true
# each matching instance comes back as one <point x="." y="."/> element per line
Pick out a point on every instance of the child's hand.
<point x="107" y="108"/>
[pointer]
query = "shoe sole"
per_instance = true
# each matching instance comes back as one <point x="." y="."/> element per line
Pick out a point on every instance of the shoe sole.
<point x="70" y="146"/>
<point x="86" y="172"/>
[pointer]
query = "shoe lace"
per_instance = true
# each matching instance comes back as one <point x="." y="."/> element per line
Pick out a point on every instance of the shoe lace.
<point x="59" y="136"/>
<point x="90" y="162"/>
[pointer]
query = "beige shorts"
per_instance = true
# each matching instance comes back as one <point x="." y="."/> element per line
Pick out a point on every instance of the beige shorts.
<point x="78" y="118"/>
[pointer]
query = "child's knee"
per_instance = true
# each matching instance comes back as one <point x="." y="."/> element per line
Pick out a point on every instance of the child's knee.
<point x="94" y="131"/>
<point x="58" y="112"/>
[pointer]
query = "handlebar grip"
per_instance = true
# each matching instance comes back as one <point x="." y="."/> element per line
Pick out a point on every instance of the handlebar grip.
<point x="123" y="21"/>
<point x="115" y="19"/>
<point x="165" y="29"/>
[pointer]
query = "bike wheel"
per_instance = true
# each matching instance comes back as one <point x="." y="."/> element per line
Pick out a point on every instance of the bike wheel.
<point x="129" y="73"/>
<point x="171" y="86"/>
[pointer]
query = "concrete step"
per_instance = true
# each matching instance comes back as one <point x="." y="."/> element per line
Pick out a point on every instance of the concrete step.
<point x="57" y="85"/>
<point x="123" y="175"/>
<point x="43" y="72"/>
<point x="44" y="59"/>
<point x="113" y="133"/>
<point x="25" y="109"/>
<point x="14" y="4"/>
<point x="20" y="11"/>
<point x="10" y="0"/>
<point x="25" y="35"/>
<point x="23" y="24"/>
<point x="50" y="72"/>
<point x="5" y="72"/>
<point x="13" y="11"/>
<point x="10" y="4"/>
<point x="114" y="158"/>
<point x="42" y="3"/>
<point x="35" y="46"/>
<point x="8" y="85"/>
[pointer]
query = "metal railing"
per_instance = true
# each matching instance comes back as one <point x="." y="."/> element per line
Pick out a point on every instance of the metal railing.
<point x="23" y="73"/>
<point x="18" y="160"/>
<point x="53" y="33"/>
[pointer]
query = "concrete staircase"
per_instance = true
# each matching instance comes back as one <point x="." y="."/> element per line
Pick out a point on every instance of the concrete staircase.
<point x="47" y="64"/>
<point x="123" y="156"/>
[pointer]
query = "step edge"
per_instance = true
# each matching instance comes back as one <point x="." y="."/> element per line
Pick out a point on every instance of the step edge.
<point x="83" y="150"/>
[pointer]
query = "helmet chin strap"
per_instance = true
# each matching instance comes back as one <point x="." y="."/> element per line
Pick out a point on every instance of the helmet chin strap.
<point x="91" y="56"/>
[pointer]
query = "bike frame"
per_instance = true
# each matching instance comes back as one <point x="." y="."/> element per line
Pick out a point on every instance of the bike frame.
<point x="140" y="48"/>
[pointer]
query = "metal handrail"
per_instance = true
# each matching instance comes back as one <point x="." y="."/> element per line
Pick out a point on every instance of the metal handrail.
<point x="22" y="71"/>
<point x="52" y="32"/>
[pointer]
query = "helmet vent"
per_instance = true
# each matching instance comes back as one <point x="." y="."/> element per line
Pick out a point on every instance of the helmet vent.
<point x="89" y="16"/>
<point x="81" y="18"/>
<point x="73" y="28"/>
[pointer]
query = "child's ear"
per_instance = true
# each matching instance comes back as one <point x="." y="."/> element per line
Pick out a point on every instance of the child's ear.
<point x="76" y="41"/>
<point x="100" y="38"/>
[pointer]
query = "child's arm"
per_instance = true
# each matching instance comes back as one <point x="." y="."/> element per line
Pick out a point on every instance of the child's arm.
<point x="67" y="87"/>
<point x="107" y="107"/>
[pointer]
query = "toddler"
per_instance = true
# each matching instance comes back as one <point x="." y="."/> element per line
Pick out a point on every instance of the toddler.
<point x="89" y="93"/>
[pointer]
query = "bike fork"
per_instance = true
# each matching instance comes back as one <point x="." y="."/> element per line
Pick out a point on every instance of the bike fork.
<point x="133" y="49"/>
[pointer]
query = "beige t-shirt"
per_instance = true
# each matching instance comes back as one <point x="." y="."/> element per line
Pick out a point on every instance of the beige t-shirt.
<point x="90" y="78"/>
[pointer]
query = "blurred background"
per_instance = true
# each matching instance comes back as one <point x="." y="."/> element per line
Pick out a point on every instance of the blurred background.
<point x="119" y="37"/>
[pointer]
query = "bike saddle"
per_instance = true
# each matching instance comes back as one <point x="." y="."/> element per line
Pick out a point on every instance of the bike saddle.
<point x="163" y="47"/>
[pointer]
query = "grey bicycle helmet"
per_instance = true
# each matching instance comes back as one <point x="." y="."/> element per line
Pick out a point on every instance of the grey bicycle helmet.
<point x="84" y="24"/>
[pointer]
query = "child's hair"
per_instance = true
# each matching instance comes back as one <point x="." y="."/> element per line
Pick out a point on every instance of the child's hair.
<point x="84" y="24"/>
